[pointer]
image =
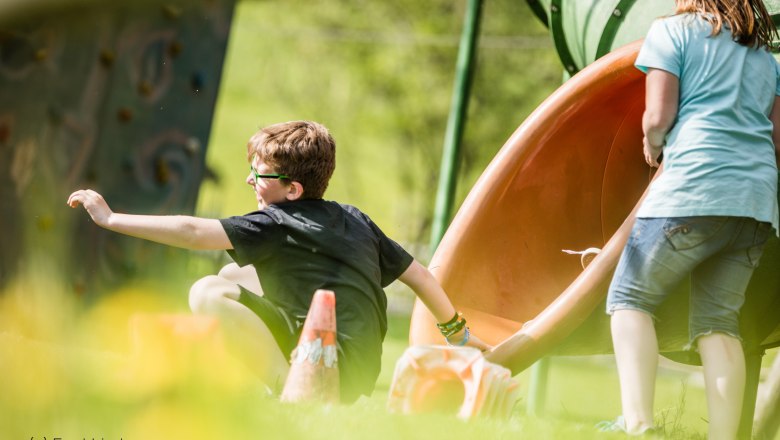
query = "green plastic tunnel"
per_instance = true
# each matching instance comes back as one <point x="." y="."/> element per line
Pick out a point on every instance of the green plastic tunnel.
<point x="586" y="30"/>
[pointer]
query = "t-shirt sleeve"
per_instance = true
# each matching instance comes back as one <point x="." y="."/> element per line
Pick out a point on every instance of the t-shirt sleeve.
<point x="660" y="50"/>
<point x="777" y="78"/>
<point x="251" y="236"/>
<point x="393" y="258"/>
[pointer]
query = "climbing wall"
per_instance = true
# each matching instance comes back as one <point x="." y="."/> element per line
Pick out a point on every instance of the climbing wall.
<point x="116" y="98"/>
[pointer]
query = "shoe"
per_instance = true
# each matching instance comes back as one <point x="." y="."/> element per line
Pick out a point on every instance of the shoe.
<point x="619" y="425"/>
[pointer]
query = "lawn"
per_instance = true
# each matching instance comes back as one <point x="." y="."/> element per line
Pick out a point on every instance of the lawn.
<point x="119" y="369"/>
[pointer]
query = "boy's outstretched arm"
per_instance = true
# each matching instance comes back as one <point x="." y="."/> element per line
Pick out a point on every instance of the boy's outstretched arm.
<point x="173" y="230"/>
<point x="425" y="286"/>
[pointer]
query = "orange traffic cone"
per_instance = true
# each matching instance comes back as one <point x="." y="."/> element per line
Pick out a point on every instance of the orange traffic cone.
<point x="314" y="371"/>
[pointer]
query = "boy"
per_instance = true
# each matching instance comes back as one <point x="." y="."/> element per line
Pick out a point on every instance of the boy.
<point x="293" y="245"/>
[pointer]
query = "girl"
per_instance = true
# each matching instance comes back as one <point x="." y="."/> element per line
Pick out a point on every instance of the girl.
<point x="711" y="108"/>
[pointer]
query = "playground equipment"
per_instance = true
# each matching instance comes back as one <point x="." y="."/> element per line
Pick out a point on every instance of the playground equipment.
<point x="139" y="80"/>
<point x="568" y="178"/>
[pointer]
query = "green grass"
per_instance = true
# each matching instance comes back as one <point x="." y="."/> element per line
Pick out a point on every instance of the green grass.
<point x="76" y="373"/>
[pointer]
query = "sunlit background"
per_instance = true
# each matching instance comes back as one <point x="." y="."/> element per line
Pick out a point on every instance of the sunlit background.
<point x="130" y="362"/>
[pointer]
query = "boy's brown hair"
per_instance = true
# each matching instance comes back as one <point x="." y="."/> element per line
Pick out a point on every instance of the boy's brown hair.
<point x="303" y="150"/>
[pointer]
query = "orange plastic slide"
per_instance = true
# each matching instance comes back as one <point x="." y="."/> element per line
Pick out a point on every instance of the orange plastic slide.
<point x="568" y="178"/>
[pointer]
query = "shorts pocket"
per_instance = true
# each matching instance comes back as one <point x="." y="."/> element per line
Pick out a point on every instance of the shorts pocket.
<point x="688" y="232"/>
<point x="760" y="237"/>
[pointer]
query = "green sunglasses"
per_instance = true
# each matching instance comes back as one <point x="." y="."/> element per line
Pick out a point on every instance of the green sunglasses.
<point x="257" y="175"/>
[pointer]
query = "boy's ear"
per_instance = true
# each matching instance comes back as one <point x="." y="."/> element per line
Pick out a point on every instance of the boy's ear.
<point x="295" y="191"/>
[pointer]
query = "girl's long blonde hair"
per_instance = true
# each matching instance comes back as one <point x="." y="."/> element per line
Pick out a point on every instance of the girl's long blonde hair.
<point x="748" y="20"/>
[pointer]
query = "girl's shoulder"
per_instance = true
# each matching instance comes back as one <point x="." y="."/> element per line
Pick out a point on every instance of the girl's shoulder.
<point x="684" y="19"/>
<point x="692" y="25"/>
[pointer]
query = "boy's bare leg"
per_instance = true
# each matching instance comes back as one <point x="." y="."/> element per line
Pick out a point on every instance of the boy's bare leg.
<point x="724" y="379"/>
<point x="246" y="334"/>
<point x="245" y="276"/>
<point x="636" y="354"/>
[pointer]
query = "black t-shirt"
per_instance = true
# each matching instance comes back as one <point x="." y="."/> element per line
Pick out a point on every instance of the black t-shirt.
<point x="301" y="246"/>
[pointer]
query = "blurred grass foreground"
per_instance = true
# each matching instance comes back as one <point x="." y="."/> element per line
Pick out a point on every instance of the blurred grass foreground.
<point x="136" y="365"/>
<point x="133" y="367"/>
<point x="132" y="363"/>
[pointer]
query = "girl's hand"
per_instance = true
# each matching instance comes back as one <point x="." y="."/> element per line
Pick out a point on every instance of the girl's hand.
<point x="94" y="203"/>
<point x="651" y="152"/>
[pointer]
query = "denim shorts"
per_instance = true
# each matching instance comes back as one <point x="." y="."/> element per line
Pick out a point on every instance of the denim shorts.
<point x="718" y="253"/>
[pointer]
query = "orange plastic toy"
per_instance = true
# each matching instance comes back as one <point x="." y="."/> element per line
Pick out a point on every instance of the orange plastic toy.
<point x="451" y="380"/>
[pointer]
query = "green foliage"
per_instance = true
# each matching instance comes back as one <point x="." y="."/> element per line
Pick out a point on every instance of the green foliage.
<point x="380" y="76"/>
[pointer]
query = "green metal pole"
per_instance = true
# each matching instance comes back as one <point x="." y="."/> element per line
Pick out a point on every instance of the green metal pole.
<point x="537" y="387"/>
<point x="753" y="358"/>
<point x="445" y="195"/>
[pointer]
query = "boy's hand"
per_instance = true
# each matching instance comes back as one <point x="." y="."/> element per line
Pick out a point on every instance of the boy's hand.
<point x="94" y="203"/>
<point x="478" y="343"/>
<point x="473" y="341"/>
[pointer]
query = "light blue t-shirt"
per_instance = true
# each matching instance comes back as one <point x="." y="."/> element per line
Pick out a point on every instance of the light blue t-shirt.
<point x="719" y="157"/>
